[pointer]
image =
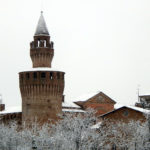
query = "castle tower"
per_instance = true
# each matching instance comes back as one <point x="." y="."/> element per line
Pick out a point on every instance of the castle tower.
<point x="42" y="87"/>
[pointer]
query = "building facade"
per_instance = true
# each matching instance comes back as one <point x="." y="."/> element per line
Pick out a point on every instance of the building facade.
<point x="144" y="101"/>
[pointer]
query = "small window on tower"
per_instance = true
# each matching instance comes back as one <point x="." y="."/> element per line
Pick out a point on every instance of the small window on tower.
<point x="51" y="75"/>
<point x="62" y="76"/>
<point x="27" y="76"/>
<point x="35" y="75"/>
<point x="44" y="43"/>
<point x="21" y="76"/>
<point x="38" y="43"/>
<point x="43" y="75"/>
<point x="58" y="76"/>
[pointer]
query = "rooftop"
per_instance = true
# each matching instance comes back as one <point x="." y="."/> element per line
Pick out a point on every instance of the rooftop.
<point x="119" y="106"/>
<point x="17" y="109"/>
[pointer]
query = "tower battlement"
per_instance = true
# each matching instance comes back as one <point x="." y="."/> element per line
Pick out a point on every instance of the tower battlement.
<point x="41" y="51"/>
<point x="41" y="83"/>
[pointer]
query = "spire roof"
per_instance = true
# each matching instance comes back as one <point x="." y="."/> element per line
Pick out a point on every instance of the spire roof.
<point x="41" y="28"/>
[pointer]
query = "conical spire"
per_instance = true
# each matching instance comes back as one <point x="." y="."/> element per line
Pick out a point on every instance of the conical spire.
<point x="41" y="28"/>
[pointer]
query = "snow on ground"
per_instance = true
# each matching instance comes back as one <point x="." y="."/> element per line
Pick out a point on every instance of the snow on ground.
<point x="85" y="97"/>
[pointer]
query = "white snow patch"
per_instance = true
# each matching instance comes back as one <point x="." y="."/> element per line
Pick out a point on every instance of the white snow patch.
<point x="96" y="126"/>
<point x="69" y="104"/>
<point x="17" y="109"/>
<point x="41" y="69"/>
<point x="12" y="109"/>
<point x="73" y="110"/>
<point x="85" y="97"/>
<point x="145" y="94"/>
<point x="117" y="106"/>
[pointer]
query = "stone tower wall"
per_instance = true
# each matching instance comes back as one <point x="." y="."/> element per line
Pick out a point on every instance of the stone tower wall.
<point x="42" y="94"/>
<point x="41" y="51"/>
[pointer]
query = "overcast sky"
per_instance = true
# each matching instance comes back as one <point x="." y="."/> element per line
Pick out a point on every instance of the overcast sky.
<point x="102" y="45"/>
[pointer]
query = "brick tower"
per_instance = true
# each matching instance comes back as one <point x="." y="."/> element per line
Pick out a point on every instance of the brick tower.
<point x="41" y="87"/>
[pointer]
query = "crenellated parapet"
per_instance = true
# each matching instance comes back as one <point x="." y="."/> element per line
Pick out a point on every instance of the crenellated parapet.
<point x="41" y="83"/>
<point x="41" y="51"/>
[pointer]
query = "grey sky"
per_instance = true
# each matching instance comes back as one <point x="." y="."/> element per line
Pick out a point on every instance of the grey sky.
<point x="102" y="45"/>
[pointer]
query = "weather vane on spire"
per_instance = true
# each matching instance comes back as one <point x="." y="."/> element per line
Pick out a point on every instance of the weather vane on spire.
<point x="42" y="6"/>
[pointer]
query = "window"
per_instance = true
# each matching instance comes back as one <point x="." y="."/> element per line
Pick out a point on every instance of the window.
<point x="27" y="76"/>
<point x="21" y="76"/>
<point x="38" y="43"/>
<point x="126" y="113"/>
<point x="58" y="76"/>
<point x="43" y="75"/>
<point x="35" y="75"/>
<point x="101" y="98"/>
<point x="62" y="76"/>
<point x="44" y="43"/>
<point x="51" y="75"/>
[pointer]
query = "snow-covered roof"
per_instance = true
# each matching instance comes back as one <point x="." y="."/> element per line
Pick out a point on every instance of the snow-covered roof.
<point x="85" y="97"/>
<point x="69" y="104"/>
<point x="118" y="106"/>
<point x="17" y="109"/>
<point x="139" y="109"/>
<point x="41" y="28"/>
<point x="145" y="96"/>
<point x="73" y="110"/>
<point x="12" y="109"/>
<point x="41" y="69"/>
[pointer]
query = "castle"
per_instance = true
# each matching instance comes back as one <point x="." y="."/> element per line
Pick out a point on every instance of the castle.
<point x="42" y="87"/>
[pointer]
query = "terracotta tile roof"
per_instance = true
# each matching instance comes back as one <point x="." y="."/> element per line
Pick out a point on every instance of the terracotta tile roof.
<point x="101" y="108"/>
